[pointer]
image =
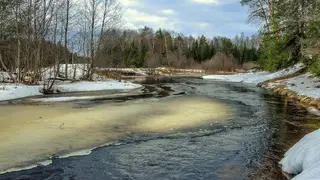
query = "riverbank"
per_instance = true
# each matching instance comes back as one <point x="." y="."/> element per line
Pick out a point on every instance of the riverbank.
<point x="293" y="83"/>
<point x="302" y="160"/>
<point x="10" y="91"/>
<point x="103" y="79"/>
<point x="303" y="87"/>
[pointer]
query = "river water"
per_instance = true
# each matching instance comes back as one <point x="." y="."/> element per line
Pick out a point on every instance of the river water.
<point x="246" y="145"/>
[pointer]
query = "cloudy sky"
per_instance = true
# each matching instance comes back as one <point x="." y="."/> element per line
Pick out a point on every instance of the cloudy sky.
<point x="191" y="17"/>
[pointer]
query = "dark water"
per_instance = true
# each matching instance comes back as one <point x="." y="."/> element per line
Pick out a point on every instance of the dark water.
<point x="246" y="146"/>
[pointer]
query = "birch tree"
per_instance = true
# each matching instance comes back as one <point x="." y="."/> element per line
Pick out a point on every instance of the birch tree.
<point x="66" y="30"/>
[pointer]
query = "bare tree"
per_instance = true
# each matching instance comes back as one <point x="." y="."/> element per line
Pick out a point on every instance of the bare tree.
<point x="258" y="11"/>
<point x="66" y="38"/>
<point x="18" y="70"/>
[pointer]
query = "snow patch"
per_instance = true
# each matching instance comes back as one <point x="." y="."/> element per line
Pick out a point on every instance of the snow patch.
<point x="5" y="77"/>
<point x="256" y="77"/>
<point x="84" y="152"/>
<point x="304" y="85"/>
<point x="304" y="158"/>
<point x="75" y="71"/>
<point x="314" y="111"/>
<point x="64" y="99"/>
<point x="16" y="91"/>
<point x="96" y="86"/>
<point x="43" y="163"/>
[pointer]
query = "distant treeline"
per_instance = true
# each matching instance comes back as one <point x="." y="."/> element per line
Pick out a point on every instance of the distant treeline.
<point x="39" y="33"/>
<point x="149" y="48"/>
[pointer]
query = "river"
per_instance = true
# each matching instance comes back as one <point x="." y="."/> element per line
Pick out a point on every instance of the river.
<point x="246" y="144"/>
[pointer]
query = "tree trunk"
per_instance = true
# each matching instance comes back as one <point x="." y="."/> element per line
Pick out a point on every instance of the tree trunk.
<point x="66" y="40"/>
<point x="17" y="70"/>
<point x="5" y="67"/>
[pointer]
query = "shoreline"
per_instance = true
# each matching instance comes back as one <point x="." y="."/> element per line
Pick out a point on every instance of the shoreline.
<point x="282" y="88"/>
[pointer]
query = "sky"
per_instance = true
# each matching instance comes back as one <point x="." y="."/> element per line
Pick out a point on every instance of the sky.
<point x="190" y="17"/>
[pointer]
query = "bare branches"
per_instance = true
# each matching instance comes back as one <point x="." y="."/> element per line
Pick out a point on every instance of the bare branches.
<point x="41" y="33"/>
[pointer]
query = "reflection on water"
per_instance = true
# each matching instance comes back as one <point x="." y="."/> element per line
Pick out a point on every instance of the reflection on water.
<point x="29" y="133"/>
<point x="247" y="145"/>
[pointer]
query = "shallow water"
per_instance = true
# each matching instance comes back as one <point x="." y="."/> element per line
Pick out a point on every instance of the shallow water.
<point x="34" y="133"/>
<point x="245" y="145"/>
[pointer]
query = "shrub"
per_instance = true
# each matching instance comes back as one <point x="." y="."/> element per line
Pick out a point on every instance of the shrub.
<point x="315" y="66"/>
<point x="177" y="60"/>
<point x="220" y="61"/>
<point x="250" y="65"/>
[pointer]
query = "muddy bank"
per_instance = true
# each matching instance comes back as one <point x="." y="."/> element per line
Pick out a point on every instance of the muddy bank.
<point x="30" y="134"/>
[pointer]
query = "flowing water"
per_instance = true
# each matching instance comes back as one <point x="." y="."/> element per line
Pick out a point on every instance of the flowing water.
<point x="192" y="129"/>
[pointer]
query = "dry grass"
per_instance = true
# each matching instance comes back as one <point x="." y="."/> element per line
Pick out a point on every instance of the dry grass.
<point x="109" y="74"/>
<point x="250" y="65"/>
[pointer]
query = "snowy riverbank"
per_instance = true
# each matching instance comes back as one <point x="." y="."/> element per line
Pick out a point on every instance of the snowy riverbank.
<point x="76" y="72"/>
<point x="304" y="88"/>
<point x="256" y="77"/>
<point x="9" y="91"/>
<point x="290" y="82"/>
<point x="304" y="158"/>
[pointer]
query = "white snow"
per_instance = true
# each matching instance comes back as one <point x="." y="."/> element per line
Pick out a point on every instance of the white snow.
<point x="304" y="158"/>
<point x="5" y="77"/>
<point x="69" y="98"/>
<point x="75" y="71"/>
<point x="305" y="85"/>
<point x="96" y="86"/>
<point x="16" y="91"/>
<point x="256" y="77"/>
<point x="43" y="163"/>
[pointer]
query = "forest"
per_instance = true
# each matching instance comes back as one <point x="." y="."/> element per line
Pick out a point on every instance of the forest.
<point x="35" y="34"/>
<point x="290" y="32"/>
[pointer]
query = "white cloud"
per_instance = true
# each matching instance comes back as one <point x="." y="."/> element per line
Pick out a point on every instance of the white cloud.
<point x="205" y="1"/>
<point x="168" y="11"/>
<point x="128" y="3"/>
<point x="203" y="25"/>
<point x="188" y="17"/>
<point x="136" y="16"/>
<point x="136" y="19"/>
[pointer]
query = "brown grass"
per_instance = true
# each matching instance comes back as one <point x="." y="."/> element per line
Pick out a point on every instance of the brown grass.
<point x="250" y="65"/>
<point x="220" y="62"/>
